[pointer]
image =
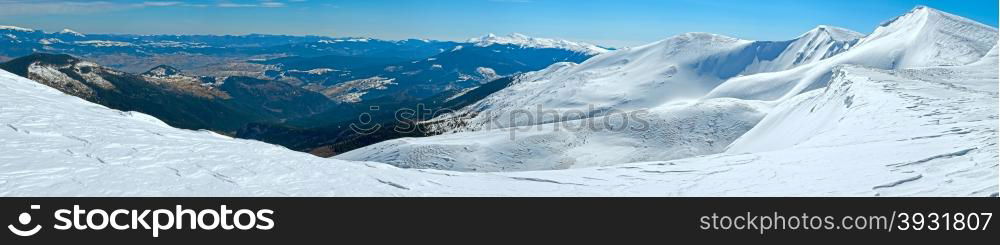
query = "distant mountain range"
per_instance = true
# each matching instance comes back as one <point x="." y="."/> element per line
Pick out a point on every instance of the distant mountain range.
<point x="220" y="104"/>
<point x="709" y="94"/>
<point x="204" y="54"/>
<point x="24" y="41"/>
<point x="908" y="110"/>
<point x="466" y="66"/>
<point x="344" y="69"/>
<point x="297" y="91"/>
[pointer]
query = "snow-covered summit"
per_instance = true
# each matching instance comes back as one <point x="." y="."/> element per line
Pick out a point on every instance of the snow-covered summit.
<point x="833" y="32"/>
<point x="909" y="112"/>
<point x="54" y="144"/>
<point x="924" y="37"/>
<point x="913" y="112"/>
<point x="15" y="28"/>
<point x="817" y="44"/>
<point x="71" y="32"/>
<point x="533" y="42"/>
<point x="693" y="65"/>
<point x="685" y="66"/>
<point x="933" y="37"/>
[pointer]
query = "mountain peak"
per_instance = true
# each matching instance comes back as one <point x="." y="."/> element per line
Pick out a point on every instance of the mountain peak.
<point x="923" y="8"/>
<point x="20" y="65"/>
<point x="71" y="32"/>
<point x="835" y="33"/>
<point x="55" y="59"/>
<point x="15" y="28"/>
<point x="921" y="13"/>
<point x="519" y="35"/>
<point x="705" y="35"/>
<point x="162" y="71"/>
<point x="534" y="42"/>
<point x="923" y="20"/>
<point x="699" y="39"/>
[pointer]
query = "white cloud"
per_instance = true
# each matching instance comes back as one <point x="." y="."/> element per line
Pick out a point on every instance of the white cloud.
<point x="160" y="4"/>
<point x="47" y="7"/>
<point x="268" y="4"/>
<point x="260" y="4"/>
<point x="19" y="7"/>
<point x="236" y="5"/>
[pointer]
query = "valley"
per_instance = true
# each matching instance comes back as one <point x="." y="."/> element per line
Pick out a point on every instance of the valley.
<point x="268" y="87"/>
<point x="908" y="109"/>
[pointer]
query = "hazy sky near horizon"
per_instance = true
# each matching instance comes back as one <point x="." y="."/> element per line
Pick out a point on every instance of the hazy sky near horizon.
<point x="615" y="23"/>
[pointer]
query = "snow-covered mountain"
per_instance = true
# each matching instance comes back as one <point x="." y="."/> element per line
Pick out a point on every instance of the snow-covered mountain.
<point x="131" y="52"/>
<point x="55" y="144"/>
<point x="353" y="73"/>
<point x="59" y="145"/>
<point x="923" y="37"/>
<point x="220" y="104"/>
<point x="523" y="41"/>
<point x="693" y="65"/>
<point x="71" y="33"/>
<point x="908" y="132"/>
<point x="682" y="67"/>
<point x="896" y="115"/>
<point x="819" y="43"/>
<point x="162" y="71"/>
<point x="464" y="67"/>
<point x="15" y="28"/>
<point x="663" y="133"/>
<point x="888" y="108"/>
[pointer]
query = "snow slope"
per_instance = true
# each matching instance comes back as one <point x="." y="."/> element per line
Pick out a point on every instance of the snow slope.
<point x="71" y="32"/>
<point x="662" y="133"/>
<point x="906" y="132"/>
<point x="929" y="104"/>
<point x="841" y="112"/>
<point x="921" y="38"/>
<point x="682" y="67"/>
<point x="945" y="116"/>
<point x="54" y="144"/>
<point x="533" y="42"/>
<point x="819" y="43"/>
<point x="15" y="28"/>
<point x="923" y="125"/>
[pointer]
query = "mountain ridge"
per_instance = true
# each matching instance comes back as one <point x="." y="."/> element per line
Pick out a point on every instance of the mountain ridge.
<point x="477" y="131"/>
<point x="182" y="101"/>
<point x="893" y="116"/>
<point x="678" y="68"/>
<point x="533" y="42"/>
<point x="922" y="37"/>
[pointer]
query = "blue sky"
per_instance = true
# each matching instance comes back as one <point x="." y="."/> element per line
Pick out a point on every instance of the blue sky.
<point x="607" y="22"/>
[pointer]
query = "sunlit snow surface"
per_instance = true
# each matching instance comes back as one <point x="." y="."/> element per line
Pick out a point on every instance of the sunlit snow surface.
<point x="910" y="110"/>
<point x="533" y="42"/>
<point x="827" y="90"/>
<point x="925" y="132"/>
